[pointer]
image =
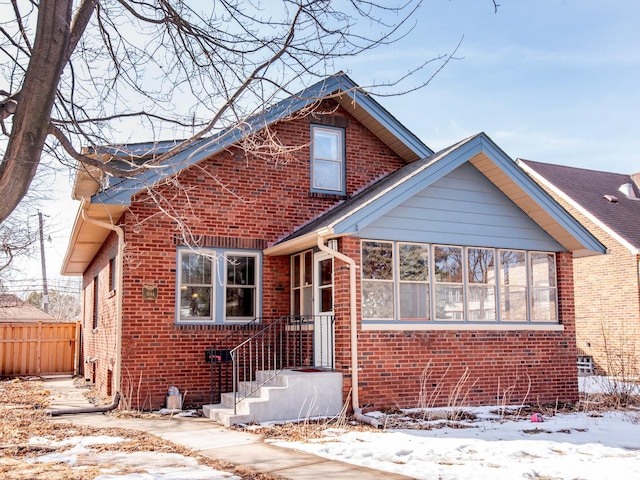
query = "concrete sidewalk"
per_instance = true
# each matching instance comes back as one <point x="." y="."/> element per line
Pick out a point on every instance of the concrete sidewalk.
<point x="212" y="440"/>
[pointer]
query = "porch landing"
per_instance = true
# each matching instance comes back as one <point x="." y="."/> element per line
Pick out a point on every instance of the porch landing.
<point x="292" y="395"/>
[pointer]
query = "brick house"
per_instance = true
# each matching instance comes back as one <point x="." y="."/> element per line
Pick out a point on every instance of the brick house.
<point x="607" y="287"/>
<point x="417" y="277"/>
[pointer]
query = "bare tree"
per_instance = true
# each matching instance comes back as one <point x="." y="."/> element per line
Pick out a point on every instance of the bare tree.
<point x="15" y="240"/>
<point x="83" y="73"/>
<point x="65" y="304"/>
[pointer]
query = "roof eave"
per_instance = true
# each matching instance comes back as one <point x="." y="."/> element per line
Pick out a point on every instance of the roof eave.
<point x="303" y="242"/>
<point x="86" y="238"/>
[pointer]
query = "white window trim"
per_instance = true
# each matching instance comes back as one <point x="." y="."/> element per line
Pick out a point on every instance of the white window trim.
<point x="257" y="286"/>
<point x="394" y="283"/>
<point x="341" y="160"/>
<point x="429" y="282"/>
<point x="433" y="324"/>
<point x="218" y="286"/>
<point x="212" y="286"/>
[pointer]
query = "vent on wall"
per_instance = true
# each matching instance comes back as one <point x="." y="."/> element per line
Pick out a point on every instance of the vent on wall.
<point x="585" y="365"/>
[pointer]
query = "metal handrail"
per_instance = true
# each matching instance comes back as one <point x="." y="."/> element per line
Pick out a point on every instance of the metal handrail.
<point x="240" y="333"/>
<point x="288" y="342"/>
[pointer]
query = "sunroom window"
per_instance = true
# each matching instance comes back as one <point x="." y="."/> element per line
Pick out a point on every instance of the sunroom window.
<point x="414" y="282"/>
<point x="378" y="300"/>
<point x="413" y="271"/>
<point x="217" y="286"/>
<point x="543" y="287"/>
<point x="327" y="159"/>
<point x="449" y="288"/>
<point x="513" y="285"/>
<point x="481" y="284"/>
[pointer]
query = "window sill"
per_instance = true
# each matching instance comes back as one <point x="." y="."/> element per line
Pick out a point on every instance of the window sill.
<point x="550" y="327"/>
<point x="328" y="194"/>
<point x="207" y="325"/>
<point x="111" y="293"/>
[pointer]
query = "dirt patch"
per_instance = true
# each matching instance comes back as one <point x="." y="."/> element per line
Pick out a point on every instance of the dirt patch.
<point x="22" y="405"/>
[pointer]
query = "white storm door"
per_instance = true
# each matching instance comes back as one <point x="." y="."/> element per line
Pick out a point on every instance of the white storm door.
<point x="323" y="310"/>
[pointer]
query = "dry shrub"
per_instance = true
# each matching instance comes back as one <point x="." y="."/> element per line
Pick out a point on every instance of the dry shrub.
<point x="22" y="405"/>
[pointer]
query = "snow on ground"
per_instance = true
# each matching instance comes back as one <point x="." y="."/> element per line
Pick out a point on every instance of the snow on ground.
<point x="156" y="465"/>
<point x="584" y="445"/>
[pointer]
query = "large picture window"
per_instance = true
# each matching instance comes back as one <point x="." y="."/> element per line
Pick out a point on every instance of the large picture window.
<point x="215" y="286"/>
<point x="327" y="159"/>
<point x="413" y="282"/>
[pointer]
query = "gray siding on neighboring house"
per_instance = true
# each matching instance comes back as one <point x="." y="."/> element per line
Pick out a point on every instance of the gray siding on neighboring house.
<point x="462" y="208"/>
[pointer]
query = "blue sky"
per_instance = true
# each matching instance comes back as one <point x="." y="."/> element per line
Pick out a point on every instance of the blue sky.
<point x="552" y="80"/>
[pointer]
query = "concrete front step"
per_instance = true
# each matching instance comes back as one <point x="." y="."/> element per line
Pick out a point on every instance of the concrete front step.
<point x="292" y="395"/>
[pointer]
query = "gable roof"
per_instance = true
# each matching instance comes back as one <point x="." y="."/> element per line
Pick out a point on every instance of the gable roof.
<point x="587" y="191"/>
<point x="479" y="150"/>
<point x="109" y="204"/>
<point x="339" y="87"/>
<point x="15" y="310"/>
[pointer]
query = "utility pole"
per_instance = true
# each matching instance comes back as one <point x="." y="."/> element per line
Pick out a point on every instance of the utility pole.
<point x="45" y="291"/>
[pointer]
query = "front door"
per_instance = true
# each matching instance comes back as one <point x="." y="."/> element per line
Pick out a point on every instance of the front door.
<point x="323" y="310"/>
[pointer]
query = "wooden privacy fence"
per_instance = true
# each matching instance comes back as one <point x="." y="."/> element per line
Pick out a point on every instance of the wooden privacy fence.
<point x="39" y="348"/>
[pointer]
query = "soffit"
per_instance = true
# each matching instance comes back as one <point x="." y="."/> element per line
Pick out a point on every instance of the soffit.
<point x="370" y="122"/>
<point x="525" y="202"/>
<point x="87" y="238"/>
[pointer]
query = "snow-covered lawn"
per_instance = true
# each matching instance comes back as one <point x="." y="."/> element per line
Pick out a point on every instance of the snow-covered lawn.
<point x="583" y="445"/>
<point x="572" y="445"/>
<point x="148" y="464"/>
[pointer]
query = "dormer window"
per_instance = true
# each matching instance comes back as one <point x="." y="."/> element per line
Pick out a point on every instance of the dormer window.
<point x="327" y="160"/>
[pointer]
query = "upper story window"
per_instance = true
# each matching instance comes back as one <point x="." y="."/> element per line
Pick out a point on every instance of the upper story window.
<point x="415" y="282"/>
<point x="216" y="286"/>
<point x="327" y="160"/>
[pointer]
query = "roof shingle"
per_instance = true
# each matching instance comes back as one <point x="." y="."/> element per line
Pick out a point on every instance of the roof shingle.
<point x="588" y="189"/>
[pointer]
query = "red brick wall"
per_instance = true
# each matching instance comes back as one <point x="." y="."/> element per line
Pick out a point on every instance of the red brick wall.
<point x="242" y="201"/>
<point x="607" y="303"/>
<point x="239" y="200"/>
<point x="398" y="369"/>
<point x="99" y="344"/>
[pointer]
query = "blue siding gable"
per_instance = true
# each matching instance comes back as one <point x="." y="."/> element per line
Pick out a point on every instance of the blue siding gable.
<point x="461" y="208"/>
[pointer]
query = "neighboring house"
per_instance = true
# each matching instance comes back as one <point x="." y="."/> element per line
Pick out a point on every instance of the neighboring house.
<point x="15" y="310"/>
<point x="607" y="288"/>
<point x="445" y="277"/>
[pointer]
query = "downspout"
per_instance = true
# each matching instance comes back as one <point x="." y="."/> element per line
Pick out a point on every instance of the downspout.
<point x="101" y="409"/>
<point x="355" y="401"/>
<point x="120" y="234"/>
